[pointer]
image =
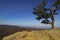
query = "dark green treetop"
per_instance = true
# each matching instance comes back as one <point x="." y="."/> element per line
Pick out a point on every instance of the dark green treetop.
<point x="42" y="12"/>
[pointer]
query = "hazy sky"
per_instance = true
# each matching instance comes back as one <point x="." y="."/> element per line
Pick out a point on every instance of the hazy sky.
<point x="19" y="12"/>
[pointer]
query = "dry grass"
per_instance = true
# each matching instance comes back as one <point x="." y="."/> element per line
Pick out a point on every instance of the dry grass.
<point x="6" y="30"/>
<point x="53" y="34"/>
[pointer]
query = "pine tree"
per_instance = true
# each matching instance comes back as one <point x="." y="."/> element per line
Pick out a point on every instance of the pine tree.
<point x="47" y="13"/>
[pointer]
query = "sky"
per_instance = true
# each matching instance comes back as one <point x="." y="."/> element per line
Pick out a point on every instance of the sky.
<point x="19" y="12"/>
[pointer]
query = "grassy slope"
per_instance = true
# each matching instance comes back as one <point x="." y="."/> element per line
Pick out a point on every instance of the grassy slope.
<point x="6" y="30"/>
<point x="53" y="34"/>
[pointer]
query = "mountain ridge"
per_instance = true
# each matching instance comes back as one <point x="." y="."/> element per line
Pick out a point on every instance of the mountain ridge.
<point x="6" y="30"/>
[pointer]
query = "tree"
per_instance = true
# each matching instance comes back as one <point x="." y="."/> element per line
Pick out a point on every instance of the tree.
<point x="47" y="13"/>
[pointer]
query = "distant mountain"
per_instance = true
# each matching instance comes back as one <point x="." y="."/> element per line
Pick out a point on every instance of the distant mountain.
<point x="6" y="30"/>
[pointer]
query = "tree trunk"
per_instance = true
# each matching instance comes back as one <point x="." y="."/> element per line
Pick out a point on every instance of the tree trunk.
<point x="52" y="24"/>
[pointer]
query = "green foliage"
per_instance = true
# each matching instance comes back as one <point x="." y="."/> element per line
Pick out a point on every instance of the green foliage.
<point x="46" y="21"/>
<point x="42" y="12"/>
<point x="56" y="4"/>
